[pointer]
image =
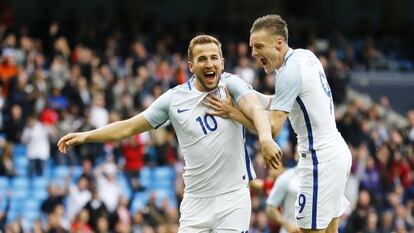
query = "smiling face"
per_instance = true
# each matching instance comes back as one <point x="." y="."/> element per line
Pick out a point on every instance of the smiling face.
<point x="207" y="64"/>
<point x="268" y="49"/>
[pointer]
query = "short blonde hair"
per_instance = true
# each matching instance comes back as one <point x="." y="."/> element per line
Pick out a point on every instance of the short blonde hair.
<point x="202" y="39"/>
<point x="274" y="24"/>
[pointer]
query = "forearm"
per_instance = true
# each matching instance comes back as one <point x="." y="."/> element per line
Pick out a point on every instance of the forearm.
<point x="238" y="116"/>
<point x="118" y="130"/>
<point x="261" y="123"/>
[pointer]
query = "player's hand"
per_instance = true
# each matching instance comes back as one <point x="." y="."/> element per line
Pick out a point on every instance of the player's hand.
<point x="69" y="140"/>
<point x="271" y="153"/>
<point x="219" y="107"/>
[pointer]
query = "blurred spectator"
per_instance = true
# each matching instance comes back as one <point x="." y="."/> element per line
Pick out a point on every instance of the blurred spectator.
<point x="14" y="124"/>
<point x="357" y="221"/>
<point x="55" y="197"/>
<point x="96" y="209"/>
<point x="108" y="187"/>
<point x="99" y="116"/>
<point x="133" y="151"/>
<point x="80" y="224"/>
<point x="153" y="215"/>
<point x="78" y="196"/>
<point x="6" y="161"/>
<point x="121" y="216"/>
<point x="36" y="137"/>
<point x="245" y="71"/>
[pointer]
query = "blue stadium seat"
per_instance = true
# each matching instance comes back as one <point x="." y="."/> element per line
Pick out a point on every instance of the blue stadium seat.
<point x="164" y="173"/>
<point x="123" y="182"/>
<point x="4" y="185"/>
<point x="164" y="178"/>
<point x="31" y="204"/>
<point x="61" y="172"/>
<point x="3" y="203"/>
<point x="21" y="162"/>
<point x="19" y="150"/>
<point x="146" y="177"/>
<point x="76" y="173"/>
<point x="20" y="183"/>
<point x="140" y="201"/>
<point x="40" y="182"/>
<point x="39" y="194"/>
<point x="163" y="194"/>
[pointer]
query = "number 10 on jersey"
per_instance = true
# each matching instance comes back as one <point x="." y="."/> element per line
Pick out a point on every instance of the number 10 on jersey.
<point x="208" y="122"/>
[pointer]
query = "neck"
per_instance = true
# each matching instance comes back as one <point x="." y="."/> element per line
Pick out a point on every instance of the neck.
<point x="282" y="56"/>
<point x="200" y="85"/>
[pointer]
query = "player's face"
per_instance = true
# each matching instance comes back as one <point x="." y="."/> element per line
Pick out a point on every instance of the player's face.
<point x="266" y="49"/>
<point x="207" y="65"/>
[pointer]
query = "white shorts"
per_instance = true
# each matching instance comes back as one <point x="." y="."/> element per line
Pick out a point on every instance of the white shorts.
<point x="229" y="212"/>
<point x="321" y="190"/>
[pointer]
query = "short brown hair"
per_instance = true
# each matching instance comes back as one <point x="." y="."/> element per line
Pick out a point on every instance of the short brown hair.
<point x="273" y="24"/>
<point x="202" y="39"/>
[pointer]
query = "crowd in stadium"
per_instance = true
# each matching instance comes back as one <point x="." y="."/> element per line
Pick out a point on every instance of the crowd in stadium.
<point x="64" y="79"/>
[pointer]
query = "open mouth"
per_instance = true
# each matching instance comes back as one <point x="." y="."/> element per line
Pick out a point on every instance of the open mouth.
<point x="209" y="75"/>
<point x="264" y="61"/>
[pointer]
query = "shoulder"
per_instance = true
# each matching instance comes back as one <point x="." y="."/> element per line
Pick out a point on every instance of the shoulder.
<point x="228" y="77"/>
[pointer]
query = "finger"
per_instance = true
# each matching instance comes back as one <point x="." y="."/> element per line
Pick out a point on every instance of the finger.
<point x="212" y="104"/>
<point x="214" y="97"/>
<point x="210" y="112"/>
<point x="275" y="164"/>
<point x="71" y="142"/>
<point x="65" y="138"/>
<point x="213" y="101"/>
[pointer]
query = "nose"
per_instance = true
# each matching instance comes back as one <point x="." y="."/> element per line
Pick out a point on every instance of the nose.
<point x="209" y="63"/>
<point x="254" y="52"/>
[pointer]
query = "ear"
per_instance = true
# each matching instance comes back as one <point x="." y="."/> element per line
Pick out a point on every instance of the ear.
<point x="279" y="42"/>
<point x="222" y="63"/>
<point x="190" y="66"/>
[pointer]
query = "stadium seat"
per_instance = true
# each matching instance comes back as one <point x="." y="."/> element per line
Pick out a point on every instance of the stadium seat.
<point x="20" y="183"/>
<point x="4" y="186"/>
<point x="163" y="194"/>
<point x="40" y="182"/>
<point x="19" y="150"/>
<point x="61" y="172"/>
<point x="164" y="173"/>
<point x="146" y="177"/>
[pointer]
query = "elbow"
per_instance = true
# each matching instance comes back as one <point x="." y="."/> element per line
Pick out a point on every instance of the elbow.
<point x="275" y="128"/>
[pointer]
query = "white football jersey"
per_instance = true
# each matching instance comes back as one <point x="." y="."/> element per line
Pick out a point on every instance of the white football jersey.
<point x="216" y="160"/>
<point x="302" y="90"/>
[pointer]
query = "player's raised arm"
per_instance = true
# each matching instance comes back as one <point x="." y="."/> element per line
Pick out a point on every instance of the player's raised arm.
<point x="111" y="132"/>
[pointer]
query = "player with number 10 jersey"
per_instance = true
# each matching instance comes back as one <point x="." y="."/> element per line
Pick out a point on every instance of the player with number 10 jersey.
<point x="213" y="166"/>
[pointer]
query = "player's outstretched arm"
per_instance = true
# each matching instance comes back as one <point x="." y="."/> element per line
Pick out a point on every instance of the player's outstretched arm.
<point x="112" y="132"/>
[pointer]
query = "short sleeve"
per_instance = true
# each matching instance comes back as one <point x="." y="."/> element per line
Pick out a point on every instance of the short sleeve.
<point x="237" y="87"/>
<point x="157" y="113"/>
<point x="287" y="89"/>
